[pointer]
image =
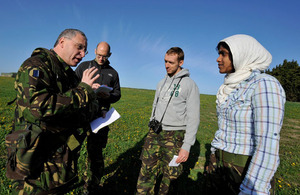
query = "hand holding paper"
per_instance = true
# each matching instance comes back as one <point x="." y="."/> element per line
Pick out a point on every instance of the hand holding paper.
<point x="173" y="162"/>
<point x="111" y="116"/>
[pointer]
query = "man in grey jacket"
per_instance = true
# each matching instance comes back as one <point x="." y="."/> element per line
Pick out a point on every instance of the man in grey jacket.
<point x="172" y="128"/>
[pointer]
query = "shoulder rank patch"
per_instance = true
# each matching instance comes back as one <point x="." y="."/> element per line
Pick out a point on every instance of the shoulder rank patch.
<point x="36" y="73"/>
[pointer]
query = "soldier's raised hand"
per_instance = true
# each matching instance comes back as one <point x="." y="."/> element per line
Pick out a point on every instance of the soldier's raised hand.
<point x="88" y="76"/>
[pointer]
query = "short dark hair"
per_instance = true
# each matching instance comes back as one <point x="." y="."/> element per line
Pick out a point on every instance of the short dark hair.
<point x="178" y="51"/>
<point x="70" y="33"/>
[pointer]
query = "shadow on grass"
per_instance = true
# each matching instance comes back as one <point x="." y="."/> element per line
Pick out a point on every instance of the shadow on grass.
<point x="124" y="173"/>
<point x="186" y="185"/>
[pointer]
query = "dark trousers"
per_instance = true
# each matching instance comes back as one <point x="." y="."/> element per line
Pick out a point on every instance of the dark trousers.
<point x="95" y="161"/>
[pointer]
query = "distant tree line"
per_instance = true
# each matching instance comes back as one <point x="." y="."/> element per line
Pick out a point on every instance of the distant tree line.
<point x="288" y="74"/>
<point x="10" y="74"/>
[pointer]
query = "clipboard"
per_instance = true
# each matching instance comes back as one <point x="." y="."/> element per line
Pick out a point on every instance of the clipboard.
<point x="103" y="88"/>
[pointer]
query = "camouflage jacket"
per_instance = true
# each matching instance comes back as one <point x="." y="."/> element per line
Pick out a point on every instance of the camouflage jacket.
<point x="52" y="104"/>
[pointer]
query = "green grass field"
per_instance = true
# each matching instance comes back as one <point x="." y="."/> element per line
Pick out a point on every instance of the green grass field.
<point x="126" y="137"/>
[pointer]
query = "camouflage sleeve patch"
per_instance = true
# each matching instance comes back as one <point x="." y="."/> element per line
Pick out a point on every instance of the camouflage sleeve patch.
<point x="41" y="96"/>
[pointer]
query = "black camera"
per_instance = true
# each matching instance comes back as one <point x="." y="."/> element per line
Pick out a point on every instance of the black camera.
<point x="155" y="126"/>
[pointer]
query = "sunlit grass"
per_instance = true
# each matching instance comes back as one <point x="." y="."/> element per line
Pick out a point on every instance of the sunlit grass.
<point x="127" y="134"/>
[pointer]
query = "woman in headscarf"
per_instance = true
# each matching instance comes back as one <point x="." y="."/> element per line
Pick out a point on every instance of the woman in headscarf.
<point x="250" y="107"/>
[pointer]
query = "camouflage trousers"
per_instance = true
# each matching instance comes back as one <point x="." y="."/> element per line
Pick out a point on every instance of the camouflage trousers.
<point x="225" y="173"/>
<point x="95" y="161"/>
<point x="58" y="175"/>
<point x="36" y="187"/>
<point x="158" y="151"/>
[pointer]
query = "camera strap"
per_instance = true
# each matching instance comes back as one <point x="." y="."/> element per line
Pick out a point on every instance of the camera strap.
<point x="168" y="101"/>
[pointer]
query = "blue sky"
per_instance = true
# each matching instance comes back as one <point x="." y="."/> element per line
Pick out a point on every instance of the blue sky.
<point x="140" y="32"/>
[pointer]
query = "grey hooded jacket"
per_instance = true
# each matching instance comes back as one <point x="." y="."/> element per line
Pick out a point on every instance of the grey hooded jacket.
<point x="183" y="111"/>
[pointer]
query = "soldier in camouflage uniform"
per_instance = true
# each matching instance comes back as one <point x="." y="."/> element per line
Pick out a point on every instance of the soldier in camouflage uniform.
<point x="51" y="106"/>
<point x="177" y="107"/>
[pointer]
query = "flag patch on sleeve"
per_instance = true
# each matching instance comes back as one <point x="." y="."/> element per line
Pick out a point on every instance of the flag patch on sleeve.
<point x="36" y="73"/>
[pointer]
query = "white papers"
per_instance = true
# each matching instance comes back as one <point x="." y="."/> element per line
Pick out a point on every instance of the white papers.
<point x="111" y="116"/>
<point x="173" y="162"/>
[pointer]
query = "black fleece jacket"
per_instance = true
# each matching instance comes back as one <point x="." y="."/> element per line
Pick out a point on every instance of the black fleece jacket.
<point x="108" y="76"/>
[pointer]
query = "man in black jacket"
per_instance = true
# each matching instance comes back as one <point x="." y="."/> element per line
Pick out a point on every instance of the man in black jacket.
<point x="96" y="142"/>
